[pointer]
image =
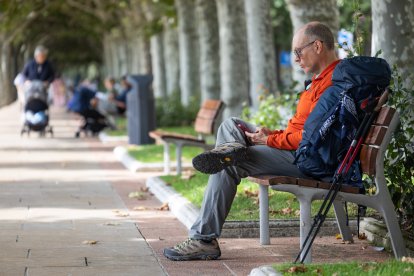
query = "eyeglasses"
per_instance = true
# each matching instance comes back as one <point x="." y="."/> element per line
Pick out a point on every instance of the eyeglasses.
<point x="298" y="51"/>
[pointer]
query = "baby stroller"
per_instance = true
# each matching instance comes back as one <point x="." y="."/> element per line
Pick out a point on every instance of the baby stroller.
<point x="36" y="109"/>
<point x="93" y="121"/>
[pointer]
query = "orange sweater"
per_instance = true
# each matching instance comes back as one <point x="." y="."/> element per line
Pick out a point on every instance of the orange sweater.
<point x="290" y="138"/>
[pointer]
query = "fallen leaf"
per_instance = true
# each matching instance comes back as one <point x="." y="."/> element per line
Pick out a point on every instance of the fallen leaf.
<point x="407" y="260"/>
<point x="140" y="208"/>
<point x="297" y="269"/>
<point x="138" y="195"/>
<point x="364" y="247"/>
<point x="318" y="271"/>
<point x="347" y="242"/>
<point x="256" y="201"/>
<point x="187" y="176"/>
<point x="287" y="211"/>
<point x="297" y="213"/>
<point x="122" y="214"/>
<point x="89" y="242"/>
<point x="338" y="236"/>
<point x="249" y="193"/>
<point x="144" y="189"/>
<point x="164" y="207"/>
<point x="362" y="236"/>
<point x="273" y="212"/>
<point x="111" y="223"/>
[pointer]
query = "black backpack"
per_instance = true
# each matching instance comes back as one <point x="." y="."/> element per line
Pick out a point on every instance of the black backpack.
<point x="332" y="124"/>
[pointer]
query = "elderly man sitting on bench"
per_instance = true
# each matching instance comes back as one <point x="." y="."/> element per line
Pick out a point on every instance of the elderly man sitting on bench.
<point x="243" y="149"/>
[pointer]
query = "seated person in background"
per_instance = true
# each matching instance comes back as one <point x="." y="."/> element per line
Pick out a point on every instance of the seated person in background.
<point x="105" y="102"/>
<point x="120" y="100"/>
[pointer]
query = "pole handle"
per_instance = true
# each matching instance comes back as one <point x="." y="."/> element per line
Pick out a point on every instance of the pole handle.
<point x="383" y="99"/>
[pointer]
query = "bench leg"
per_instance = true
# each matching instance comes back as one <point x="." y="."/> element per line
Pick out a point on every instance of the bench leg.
<point x="179" y="151"/>
<point x="341" y="221"/>
<point x="390" y="217"/>
<point x="166" y="158"/>
<point x="305" y="223"/>
<point x="264" y="214"/>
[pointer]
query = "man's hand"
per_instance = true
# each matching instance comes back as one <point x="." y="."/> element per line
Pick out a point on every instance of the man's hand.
<point x="259" y="137"/>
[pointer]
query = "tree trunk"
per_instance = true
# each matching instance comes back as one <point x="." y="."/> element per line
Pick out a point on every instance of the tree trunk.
<point x="144" y="57"/>
<point x="234" y="70"/>
<point x="7" y="92"/>
<point x="113" y="54"/>
<point x="122" y="49"/>
<point x="188" y="46"/>
<point x="261" y="49"/>
<point x="157" y="58"/>
<point x="108" y="66"/>
<point x="133" y="53"/>
<point x="209" y="50"/>
<point x="393" y="33"/>
<point x="172" y="59"/>
<point x="305" y="11"/>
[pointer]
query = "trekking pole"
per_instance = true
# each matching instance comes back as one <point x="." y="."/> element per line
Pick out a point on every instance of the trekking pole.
<point x="339" y="174"/>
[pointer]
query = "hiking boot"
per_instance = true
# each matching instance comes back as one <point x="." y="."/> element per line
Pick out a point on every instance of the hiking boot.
<point x="191" y="249"/>
<point x="219" y="158"/>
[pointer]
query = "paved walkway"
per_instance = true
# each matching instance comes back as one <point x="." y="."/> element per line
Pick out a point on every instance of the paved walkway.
<point x="55" y="199"/>
<point x="57" y="193"/>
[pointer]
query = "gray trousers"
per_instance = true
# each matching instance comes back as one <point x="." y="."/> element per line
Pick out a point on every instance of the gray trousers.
<point x="221" y="188"/>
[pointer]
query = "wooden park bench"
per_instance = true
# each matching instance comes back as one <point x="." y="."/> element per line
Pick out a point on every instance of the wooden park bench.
<point x="306" y="190"/>
<point x="204" y="125"/>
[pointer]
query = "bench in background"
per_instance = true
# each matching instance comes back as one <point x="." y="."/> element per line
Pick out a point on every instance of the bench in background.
<point x="204" y="125"/>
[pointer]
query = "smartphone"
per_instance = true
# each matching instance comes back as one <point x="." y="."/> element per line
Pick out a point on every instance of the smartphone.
<point x="244" y="128"/>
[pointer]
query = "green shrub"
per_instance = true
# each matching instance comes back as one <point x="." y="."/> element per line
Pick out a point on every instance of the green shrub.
<point x="170" y="111"/>
<point x="399" y="158"/>
<point x="273" y="112"/>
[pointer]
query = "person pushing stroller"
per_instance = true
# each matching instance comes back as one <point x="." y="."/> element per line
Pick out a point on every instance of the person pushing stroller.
<point x="37" y="74"/>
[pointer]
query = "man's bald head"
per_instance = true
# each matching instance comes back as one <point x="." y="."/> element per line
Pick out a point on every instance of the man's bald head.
<point x="318" y="31"/>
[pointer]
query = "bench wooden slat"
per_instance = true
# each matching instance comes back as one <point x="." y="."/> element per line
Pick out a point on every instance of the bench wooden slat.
<point x="212" y="104"/>
<point x="384" y="116"/>
<point x="375" y="135"/>
<point x="368" y="157"/>
<point x="207" y="113"/>
<point x="272" y="180"/>
<point x="157" y="134"/>
<point x="308" y="182"/>
<point x="204" y="126"/>
<point x="207" y="117"/>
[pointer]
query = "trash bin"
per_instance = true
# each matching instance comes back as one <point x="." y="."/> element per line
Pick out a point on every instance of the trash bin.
<point x="140" y="110"/>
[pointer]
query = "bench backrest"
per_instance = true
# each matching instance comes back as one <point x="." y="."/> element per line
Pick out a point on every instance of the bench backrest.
<point x="207" y="116"/>
<point x="377" y="139"/>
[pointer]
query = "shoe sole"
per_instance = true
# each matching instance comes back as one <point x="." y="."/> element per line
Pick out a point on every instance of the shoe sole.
<point x="191" y="258"/>
<point x="214" y="162"/>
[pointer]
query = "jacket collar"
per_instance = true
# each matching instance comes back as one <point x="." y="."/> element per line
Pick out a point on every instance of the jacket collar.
<point x="326" y="71"/>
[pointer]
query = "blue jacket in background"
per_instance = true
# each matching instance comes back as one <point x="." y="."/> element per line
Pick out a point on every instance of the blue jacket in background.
<point x="82" y="97"/>
<point x="42" y="72"/>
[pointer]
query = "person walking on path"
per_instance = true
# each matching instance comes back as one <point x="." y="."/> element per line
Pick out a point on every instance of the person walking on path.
<point x="243" y="149"/>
